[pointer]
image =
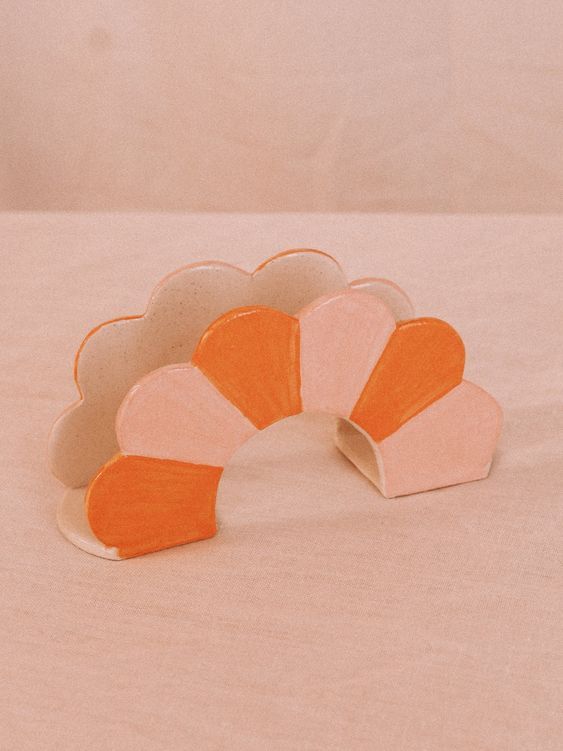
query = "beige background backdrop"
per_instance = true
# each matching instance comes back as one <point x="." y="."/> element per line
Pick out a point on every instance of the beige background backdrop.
<point x="420" y="105"/>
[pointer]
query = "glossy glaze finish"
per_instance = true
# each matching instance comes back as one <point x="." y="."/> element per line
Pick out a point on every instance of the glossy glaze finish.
<point x="450" y="442"/>
<point x="251" y="355"/>
<point x="342" y="338"/>
<point x="422" y="361"/>
<point x="176" y="412"/>
<point x="140" y="504"/>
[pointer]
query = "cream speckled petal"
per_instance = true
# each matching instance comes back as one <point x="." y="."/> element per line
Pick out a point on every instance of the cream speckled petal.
<point x="390" y="293"/>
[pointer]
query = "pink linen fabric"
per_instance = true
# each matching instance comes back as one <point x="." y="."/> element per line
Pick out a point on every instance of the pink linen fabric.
<point x="253" y="105"/>
<point x="323" y="617"/>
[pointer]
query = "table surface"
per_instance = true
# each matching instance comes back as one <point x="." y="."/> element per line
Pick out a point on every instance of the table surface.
<point x="322" y="616"/>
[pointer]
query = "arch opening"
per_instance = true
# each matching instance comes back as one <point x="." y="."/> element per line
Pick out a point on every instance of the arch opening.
<point x="277" y="463"/>
<point x="356" y="445"/>
<point x="283" y="472"/>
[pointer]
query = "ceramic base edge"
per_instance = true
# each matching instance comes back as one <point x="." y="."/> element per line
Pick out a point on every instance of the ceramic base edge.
<point x="358" y="449"/>
<point x="73" y="524"/>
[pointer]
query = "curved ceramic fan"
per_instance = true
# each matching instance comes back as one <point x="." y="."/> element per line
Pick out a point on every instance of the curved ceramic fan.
<point x="114" y="355"/>
<point x="408" y="420"/>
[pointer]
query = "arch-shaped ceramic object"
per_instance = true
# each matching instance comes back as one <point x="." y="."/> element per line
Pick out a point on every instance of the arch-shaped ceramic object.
<point x="181" y="307"/>
<point x="411" y="423"/>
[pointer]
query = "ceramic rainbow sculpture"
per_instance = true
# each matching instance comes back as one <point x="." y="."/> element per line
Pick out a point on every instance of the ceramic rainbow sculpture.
<point x="161" y="432"/>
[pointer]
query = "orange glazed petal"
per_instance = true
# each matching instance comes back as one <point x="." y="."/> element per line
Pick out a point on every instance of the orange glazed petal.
<point x="422" y="361"/>
<point x="251" y="355"/>
<point x="139" y="504"/>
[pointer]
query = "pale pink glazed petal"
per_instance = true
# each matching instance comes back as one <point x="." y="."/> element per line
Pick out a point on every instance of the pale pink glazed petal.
<point x="176" y="413"/>
<point x="342" y="338"/>
<point x="451" y="442"/>
<point x="391" y="294"/>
